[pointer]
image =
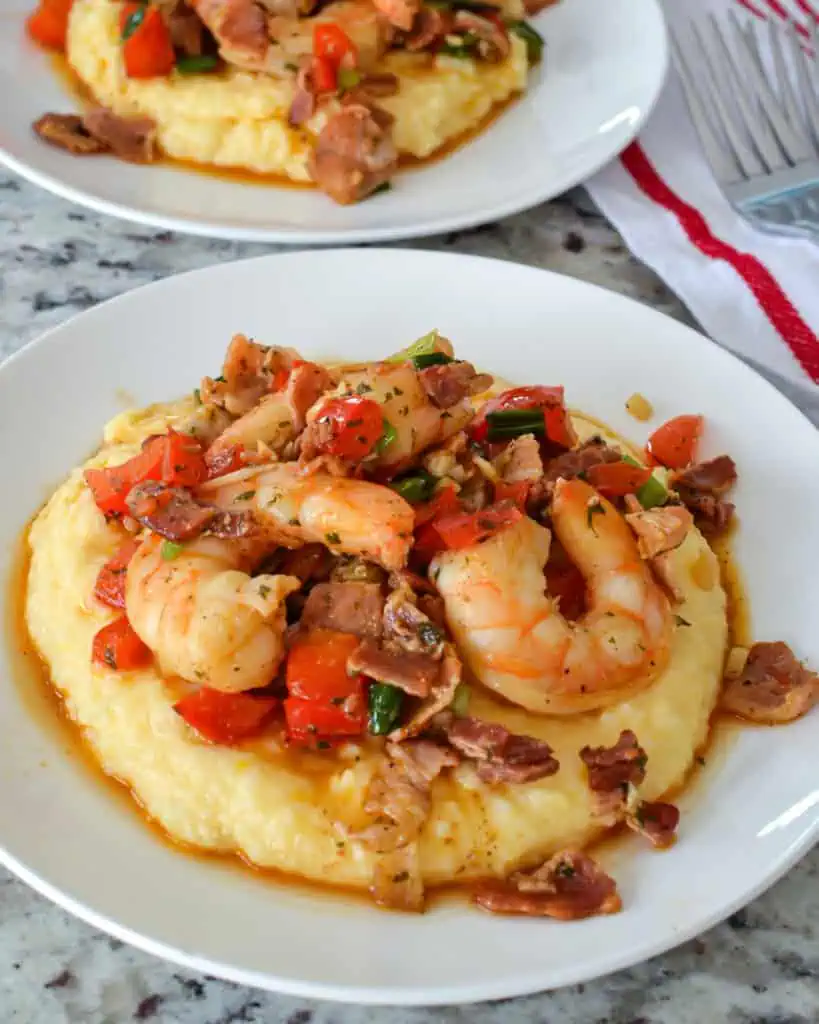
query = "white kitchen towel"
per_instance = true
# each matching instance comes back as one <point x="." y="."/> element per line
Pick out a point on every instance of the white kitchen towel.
<point x="752" y="292"/>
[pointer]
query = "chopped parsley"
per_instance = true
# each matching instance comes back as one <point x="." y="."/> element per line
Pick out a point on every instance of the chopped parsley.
<point x="681" y="621"/>
<point x="244" y="496"/>
<point x="264" y="590"/>
<point x="332" y="537"/>
<point x="592" y="510"/>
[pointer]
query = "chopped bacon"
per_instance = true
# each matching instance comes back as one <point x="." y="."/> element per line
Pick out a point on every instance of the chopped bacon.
<point x="412" y="673"/>
<point x="493" y="41"/>
<point x="409" y="628"/>
<point x="100" y="131"/>
<point x="569" y="886"/>
<point x="701" y="488"/>
<point x="656" y="821"/>
<point x="441" y="695"/>
<point x="175" y="514"/>
<point x="303" y="104"/>
<point x="354" y="154"/>
<point x="450" y="383"/>
<point x="185" y="27"/>
<point x="431" y="25"/>
<point x="399" y="793"/>
<point x="309" y="563"/>
<point x="572" y="464"/>
<point x="397" y="881"/>
<point x="660" y="529"/>
<point x="239" y="27"/>
<point x="67" y="131"/>
<point x="615" y="767"/>
<point x="172" y="512"/>
<point x="773" y="687"/>
<point x="501" y="755"/>
<point x="345" y="607"/>
<point x="129" y="138"/>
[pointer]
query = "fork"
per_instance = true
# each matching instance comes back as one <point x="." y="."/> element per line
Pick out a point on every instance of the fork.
<point x="757" y="121"/>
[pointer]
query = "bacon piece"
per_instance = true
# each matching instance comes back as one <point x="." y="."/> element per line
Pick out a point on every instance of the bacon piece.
<point x="239" y="27"/>
<point x="175" y="514"/>
<point x="303" y="105"/>
<point x="305" y="385"/>
<point x="701" y="488"/>
<point x="615" y="767"/>
<point x="773" y="687"/>
<point x="346" y="607"/>
<point x="172" y="512"/>
<point x="568" y="887"/>
<point x="67" y="131"/>
<point x="656" y="821"/>
<point x="409" y="629"/>
<point x="354" y="154"/>
<point x="450" y="383"/>
<point x="185" y="26"/>
<point x="430" y="26"/>
<point x="501" y="755"/>
<point x="399" y="792"/>
<point x="572" y="464"/>
<point x="412" y="673"/>
<point x="493" y="42"/>
<point x="129" y="138"/>
<point x="660" y="529"/>
<point x="309" y="563"/>
<point x="441" y="695"/>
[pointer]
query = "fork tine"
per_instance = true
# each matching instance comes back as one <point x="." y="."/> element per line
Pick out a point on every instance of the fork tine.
<point x="801" y="147"/>
<point x="805" y="69"/>
<point x="721" y="158"/>
<point x="751" y="81"/>
<point x="749" y="163"/>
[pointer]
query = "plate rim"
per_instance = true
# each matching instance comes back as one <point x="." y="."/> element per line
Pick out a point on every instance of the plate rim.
<point x="476" y="992"/>
<point x="203" y="228"/>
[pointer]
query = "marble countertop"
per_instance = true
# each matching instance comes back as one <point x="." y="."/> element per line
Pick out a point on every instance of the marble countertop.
<point x="760" y="967"/>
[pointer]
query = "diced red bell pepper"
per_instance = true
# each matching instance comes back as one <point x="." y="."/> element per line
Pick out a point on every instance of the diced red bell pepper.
<point x="317" y="667"/>
<point x="356" y="425"/>
<point x="469" y="528"/>
<point x="444" y="502"/>
<point x="517" y="492"/>
<point x="309" y="721"/>
<point x="118" y="647"/>
<point x="674" y="444"/>
<point x="226" y="718"/>
<point x="48" y="25"/>
<point x="147" y="51"/>
<point x="173" y="458"/>
<point x="110" y="585"/>
<point x="324" y="74"/>
<point x="616" y="479"/>
<point x="331" y="43"/>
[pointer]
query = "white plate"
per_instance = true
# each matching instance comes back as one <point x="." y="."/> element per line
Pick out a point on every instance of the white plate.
<point x="604" y="66"/>
<point x="61" y="831"/>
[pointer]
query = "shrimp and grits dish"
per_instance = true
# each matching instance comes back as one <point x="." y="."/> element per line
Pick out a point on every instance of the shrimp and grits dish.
<point x="334" y="93"/>
<point x="395" y="626"/>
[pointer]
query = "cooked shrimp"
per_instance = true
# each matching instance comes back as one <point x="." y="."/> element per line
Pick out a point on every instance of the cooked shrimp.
<point x="352" y="517"/>
<point x="204" y="618"/>
<point x="418" y="423"/>
<point x="512" y="633"/>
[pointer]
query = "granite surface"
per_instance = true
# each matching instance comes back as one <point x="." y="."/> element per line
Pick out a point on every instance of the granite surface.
<point x="761" y="966"/>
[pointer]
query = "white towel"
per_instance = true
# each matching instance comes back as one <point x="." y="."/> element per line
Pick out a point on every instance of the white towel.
<point x="752" y="292"/>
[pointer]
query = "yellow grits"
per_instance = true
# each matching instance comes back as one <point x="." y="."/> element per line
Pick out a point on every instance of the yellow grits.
<point x="291" y="812"/>
<point x="238" y="119"/>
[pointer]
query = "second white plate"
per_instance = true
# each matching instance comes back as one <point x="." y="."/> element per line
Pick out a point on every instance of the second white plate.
<point x="603" y="69"/>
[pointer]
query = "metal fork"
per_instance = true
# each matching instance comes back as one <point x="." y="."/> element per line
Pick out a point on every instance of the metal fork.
<point x="758" y="121"/>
